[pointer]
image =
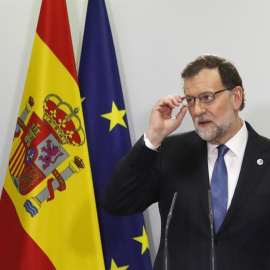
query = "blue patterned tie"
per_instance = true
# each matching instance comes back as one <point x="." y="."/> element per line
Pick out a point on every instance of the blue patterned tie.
<point x="219" y="187"/>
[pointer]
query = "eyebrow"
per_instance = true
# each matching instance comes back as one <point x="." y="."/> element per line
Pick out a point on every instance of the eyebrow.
<point x="207" y="91"/>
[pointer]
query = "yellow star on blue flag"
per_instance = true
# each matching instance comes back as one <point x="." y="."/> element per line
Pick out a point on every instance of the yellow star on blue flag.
<point x="115" y="267"/>
<point x="115" y="116"/>
<point x="143" y="240"/>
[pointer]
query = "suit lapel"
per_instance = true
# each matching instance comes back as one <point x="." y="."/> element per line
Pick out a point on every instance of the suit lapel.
<point x="200" y="176"/>
<point x="250" y="172"/>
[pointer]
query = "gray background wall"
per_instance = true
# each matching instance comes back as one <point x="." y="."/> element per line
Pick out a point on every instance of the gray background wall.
<point x="154" y="40"/>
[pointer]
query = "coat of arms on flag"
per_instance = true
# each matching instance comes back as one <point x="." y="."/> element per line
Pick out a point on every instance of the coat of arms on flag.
<point x="40" y="149"/>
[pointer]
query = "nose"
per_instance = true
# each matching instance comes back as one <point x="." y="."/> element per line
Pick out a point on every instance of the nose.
<point x="198" y="108"/>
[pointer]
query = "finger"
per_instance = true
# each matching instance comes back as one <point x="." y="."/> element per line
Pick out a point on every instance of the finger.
<point x="176" y="99"/>
<point x="166" y="101"/>
<point x="181" y="114"/>
<point x="171" y="100"/>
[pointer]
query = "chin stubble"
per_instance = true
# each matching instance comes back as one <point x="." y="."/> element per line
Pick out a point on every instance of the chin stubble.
<point x="216" y="132"/>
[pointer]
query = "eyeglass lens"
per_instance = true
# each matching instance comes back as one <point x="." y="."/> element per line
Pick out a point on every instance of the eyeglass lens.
<point x="205" y="97"/>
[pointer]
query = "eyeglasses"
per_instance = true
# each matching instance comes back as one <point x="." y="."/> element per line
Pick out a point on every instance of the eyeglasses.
<point x="205" y="97"/>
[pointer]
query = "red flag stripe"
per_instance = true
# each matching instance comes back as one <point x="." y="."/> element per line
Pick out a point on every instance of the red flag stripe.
<point x="50" y="18"/>
<point x="24" y="252"/>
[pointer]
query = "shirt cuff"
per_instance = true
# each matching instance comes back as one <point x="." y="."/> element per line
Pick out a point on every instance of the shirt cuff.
<point x="149" y="145"/>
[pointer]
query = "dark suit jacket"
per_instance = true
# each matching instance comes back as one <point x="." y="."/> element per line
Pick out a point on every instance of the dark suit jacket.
<point x="144" y="177"/>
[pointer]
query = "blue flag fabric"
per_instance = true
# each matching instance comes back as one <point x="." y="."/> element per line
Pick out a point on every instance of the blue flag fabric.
<point x="124" y="239"/>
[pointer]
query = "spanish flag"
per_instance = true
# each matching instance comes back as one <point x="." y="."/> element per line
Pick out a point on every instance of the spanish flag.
<point x="48" y="217"/>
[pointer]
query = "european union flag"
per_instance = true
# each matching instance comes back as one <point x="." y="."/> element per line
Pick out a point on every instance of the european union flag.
<point x="124" y="240"/>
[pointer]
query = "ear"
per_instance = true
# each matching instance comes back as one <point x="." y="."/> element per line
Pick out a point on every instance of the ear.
<point x="237" y="97"/>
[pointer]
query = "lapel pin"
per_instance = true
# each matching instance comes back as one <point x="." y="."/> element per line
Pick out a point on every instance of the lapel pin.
<point x="260" y="161"/>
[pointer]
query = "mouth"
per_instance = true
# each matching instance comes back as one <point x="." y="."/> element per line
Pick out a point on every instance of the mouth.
<point x="204" y="123"/>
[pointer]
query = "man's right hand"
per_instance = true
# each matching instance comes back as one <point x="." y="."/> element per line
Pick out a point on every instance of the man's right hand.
<point x="162" y="123"/>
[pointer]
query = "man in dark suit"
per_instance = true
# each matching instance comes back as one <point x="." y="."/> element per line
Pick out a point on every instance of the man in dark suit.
<point x="191" y="164"/>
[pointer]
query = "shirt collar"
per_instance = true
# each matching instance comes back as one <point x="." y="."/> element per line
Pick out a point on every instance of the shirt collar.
<point x="236" y="144"/>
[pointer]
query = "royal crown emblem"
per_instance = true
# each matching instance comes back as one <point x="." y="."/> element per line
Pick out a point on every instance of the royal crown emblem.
<point x="63" y="121"/>
<point x="40" y="149"/>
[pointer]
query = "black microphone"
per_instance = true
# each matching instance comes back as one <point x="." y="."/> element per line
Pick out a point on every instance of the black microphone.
<point x="169" y="217"/>
<point x="211" y="218"/>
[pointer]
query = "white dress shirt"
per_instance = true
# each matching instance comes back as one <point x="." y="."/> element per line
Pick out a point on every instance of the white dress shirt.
<point x="233" y="158"/>
<point x="149" y="144"/>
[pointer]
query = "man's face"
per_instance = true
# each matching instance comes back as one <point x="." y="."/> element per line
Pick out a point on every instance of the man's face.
<point x="217" y="121"/>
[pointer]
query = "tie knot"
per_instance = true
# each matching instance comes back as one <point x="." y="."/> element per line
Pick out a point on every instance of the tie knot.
<point x="222" y="150"/>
